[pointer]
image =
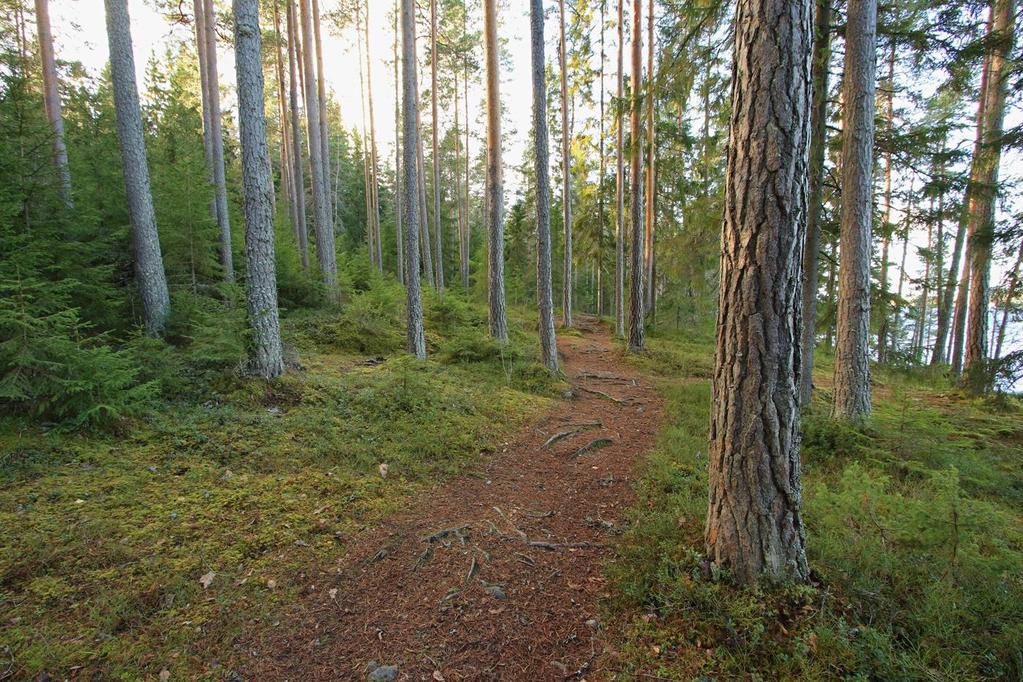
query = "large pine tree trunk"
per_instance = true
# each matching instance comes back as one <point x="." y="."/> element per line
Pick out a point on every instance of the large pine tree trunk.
<point x="321" y="204"/>
<point x="260" y="274"/>
<point x="51" y="98"/>
<point x="495" y="181"/>
<point x="620" y="180"/>
<point x="297" y="163"/>
<point x="637" y="332"/>
<point x="754" y="527"/>
<point x="544" y="287"/>
<point x="566" y="178"/>
<point x="981" y="228"/>
<point x="852" y="350"/>
<point x="438" y="253"/>
<point x="217" y="136"/>
<point x="149" y="272"/>
<point x="399" y="240"/>
<point x="651" y="169"/>
<point x="416" y="340"/>
<point x="818" y="149"/>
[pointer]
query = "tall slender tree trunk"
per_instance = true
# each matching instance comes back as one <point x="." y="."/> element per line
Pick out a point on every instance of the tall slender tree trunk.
<point x="424" y="224"/>
<point x="981" y="227"/>
<point x="457" y="173"/>
<point x="149" y="272"/>
<point x="399" y="240"/>
<point x="378" y="257"/>
<point x="321" y="98"/>
<point x="217" y="135"/>
<point x="946" y="319"/>
<point x="260" y="275"/>
<point x="925" y="292"/>
<point x="416" y="339"/>
<point x="818" y="148"/>
<point x="620" y="180"/>
<point x="601" y="171"/>
<point x="754" y="525"/>
<point x="882" y="332"/>
<point x="367" y="173"/>
<point x="199" y="9"/>
<point x="897" y="313"/>
<point x="495" y="181"/>
<point x="468" y="156"/>
<point x="51" y="98"/>
<point x="544" y="286"/>
<point x="297" y="165"/>
<point x="852" y="352"/>
<point x="566" y="176"/>
<point x="637" y="332"/>
<point x="282" y="107"/>
<point x="1011" y="291"/>
<point x="321" y="203"/>
<point x="651" y="172"/>
<point x="438" y="253"/>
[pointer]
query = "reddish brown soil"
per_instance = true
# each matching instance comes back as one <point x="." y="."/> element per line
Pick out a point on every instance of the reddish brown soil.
<point x="435" y="608"/>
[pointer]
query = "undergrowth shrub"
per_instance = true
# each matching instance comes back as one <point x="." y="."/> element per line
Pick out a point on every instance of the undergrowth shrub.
<point x="371" y="322"/>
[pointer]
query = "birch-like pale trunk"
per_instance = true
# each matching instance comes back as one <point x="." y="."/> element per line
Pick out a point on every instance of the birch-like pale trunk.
<point x="754" y="525"/>
<point x="637" y="332"/>
<point x="321" y="204"/>
<point x="297" y="163"/>
<point x="416" y="339"/>
<point x="541" y="159"/>
<point x="217" y="141"/>
<point x="257" y="186"/>
<point x="818" y="149"/>
<point x="149" y="272"/>
<point x="495" y="181"/>
<point x="51" y="99"/>
<point x="852" y="349"/>
<point x="620" y="180"/>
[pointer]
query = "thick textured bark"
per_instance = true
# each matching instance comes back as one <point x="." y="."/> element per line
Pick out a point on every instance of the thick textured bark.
<point x="297" y="164"/>
<point x="651" y="165"/>
<point x="981" y="227"/>
<point x="217" y="138"/>
<point x="415" y="338"/>
<point x="959" y="321"/>
<point x="754" y="527"/>
<point x="852" y="350"/>
<point x="620" y="181"/>
<point x="544" y="288"/>
<point x="398" y="238"/>
<point x="51" y="98"/>
<point x="149" y="272"/>
<point x="818" y="149"/>
<point x="321" y="204"/>
<point x="889" y="114"/>
<point x="637" y="332"/>
<point x="438" y="254"/>
<point x="260" y="275"/>
<point x="566" y="177"/>
<point x="495" y="181"/>
<point x="948" y="292"/>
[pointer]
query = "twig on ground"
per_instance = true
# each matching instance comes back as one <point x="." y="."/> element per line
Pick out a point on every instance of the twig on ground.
<point x="602" y="394"/>
<point x="579" y="428"/>
<point x="592" y="445"/>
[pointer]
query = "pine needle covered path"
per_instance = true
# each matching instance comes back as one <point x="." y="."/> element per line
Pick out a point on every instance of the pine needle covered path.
<point x="495" y="574"/>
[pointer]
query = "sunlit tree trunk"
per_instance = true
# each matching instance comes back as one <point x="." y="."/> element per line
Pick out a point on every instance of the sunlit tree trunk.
<point x="637" y="332"/>
<point x="818" y="149"/>
<point x="544" y="287"/>
<point x="378" y="257"/>
<point x="199" y="9"/>
<point x="260" y="275"/>
<point x="416" y="340"/>
<point x="149" y="272"/>
<point x="754" y="526"/>
<point x="495" y="181"/>
<point x="620" y="180"/>
<point x="51" y="98"/>
<point x="217" y="137"/>
<point x="600" y="184"/>
<point x="297" y="163"/>
<point x="651" y="172"/>
<point x="981" y="227"/>
<point x="321" y="204"/>
<point x="852" y="350"/>
<point x="438" y="253"/>
<point x="566" y="176"/>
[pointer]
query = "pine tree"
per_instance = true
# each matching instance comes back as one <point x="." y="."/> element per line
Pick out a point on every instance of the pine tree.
<point x="495" y="183"/>
<point x="637" y="332"/>
<point x="416" y="340"/>
<point x="51" y="98"/>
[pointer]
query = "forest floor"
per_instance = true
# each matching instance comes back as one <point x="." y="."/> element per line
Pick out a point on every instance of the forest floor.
<point x="493" y="574"/>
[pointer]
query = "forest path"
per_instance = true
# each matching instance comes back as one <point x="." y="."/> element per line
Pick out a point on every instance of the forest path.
<point x="494" y="574"/>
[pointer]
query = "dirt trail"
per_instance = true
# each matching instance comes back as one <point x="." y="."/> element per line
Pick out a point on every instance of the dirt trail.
<point x="495" y="574"/>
